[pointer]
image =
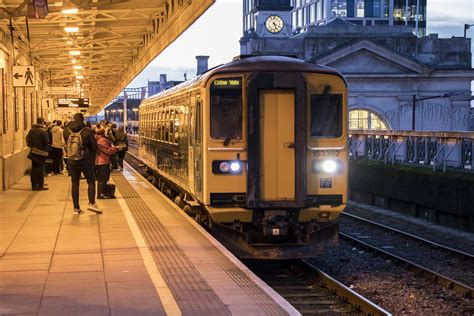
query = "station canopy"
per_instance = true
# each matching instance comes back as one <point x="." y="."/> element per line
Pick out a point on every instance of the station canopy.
<point x="99" y="45"/>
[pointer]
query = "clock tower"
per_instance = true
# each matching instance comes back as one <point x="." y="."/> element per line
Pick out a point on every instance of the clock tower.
<point x="268" y="18"/>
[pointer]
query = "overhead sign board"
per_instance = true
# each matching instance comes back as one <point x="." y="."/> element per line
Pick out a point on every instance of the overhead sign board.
<point x="60" y="90"/>
<point x="24" y="76"/>
<point x="73" y="103"/>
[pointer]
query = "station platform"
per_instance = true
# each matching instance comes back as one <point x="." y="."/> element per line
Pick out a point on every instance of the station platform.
<point x="142" y="256"/>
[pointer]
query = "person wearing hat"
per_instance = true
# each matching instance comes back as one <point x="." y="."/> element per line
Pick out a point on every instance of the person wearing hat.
<point x="38" y="142"/>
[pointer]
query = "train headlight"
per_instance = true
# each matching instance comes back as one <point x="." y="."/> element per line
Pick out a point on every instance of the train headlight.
<point x="224" y="167"/>
<point x="236" y="166"/>
<point x="329" y="166"/>
<point x="230" y="167"/>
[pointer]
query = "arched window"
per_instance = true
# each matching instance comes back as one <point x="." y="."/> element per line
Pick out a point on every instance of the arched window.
<point x="366" y="120"/>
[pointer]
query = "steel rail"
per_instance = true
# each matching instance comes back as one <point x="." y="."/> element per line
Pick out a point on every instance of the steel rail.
<point x="348" y="295"/>
<point x="406" y="234"/>
<point x="440" y="279"/>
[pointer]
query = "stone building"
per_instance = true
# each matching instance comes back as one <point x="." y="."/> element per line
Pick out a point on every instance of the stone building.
<point x="386" y="66"/>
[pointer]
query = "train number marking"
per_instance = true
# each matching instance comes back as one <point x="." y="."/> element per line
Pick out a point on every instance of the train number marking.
<point x="325" y="153"/>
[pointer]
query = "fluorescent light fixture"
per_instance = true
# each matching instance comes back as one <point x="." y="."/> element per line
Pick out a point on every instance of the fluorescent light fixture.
<point x="74" y="61"/>
<point x="77" y="67"/>
<point x="74" y="52"/>
<point x="76" y="72"/>
<point x="79" y="77"/>
<point x="70" y="11"/>
<point x="71" y="29"/>
<point x="69" y="42"/>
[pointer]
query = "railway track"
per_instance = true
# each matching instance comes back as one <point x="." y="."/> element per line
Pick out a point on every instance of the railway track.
<point x="310" y="290"/>
<point x="443" y="280"/>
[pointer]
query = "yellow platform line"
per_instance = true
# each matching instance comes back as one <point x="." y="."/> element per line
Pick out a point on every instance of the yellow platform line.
<point x="162" y="289"/>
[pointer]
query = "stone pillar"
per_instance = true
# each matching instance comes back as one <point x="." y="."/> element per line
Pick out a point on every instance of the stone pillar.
<point x="202" y="64"/>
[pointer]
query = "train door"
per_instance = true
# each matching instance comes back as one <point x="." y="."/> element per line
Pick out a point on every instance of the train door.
<point x="197" y="148"/>
<point x="277" y="145"/>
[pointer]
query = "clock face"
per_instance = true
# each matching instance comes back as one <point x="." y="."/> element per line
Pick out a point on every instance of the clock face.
<point x="274" y="24"/>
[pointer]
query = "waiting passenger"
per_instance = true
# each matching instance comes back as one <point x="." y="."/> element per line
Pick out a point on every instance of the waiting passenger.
<point x="121" y="141"/>
<point x="102" y="163"/>
<point x="57" y="144"/>
<point x="38" y="142"/>
<point x="81" y="150"/>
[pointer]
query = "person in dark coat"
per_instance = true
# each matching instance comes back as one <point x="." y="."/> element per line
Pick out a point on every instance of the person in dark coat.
<point x="85" y="165"/>
<point x="38" y="142"/>
<point x="121" y="141"/>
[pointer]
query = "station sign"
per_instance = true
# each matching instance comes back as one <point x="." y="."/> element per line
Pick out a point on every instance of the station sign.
<point x="24" y="76"/>
<point x="60" y="90"/>
<point x="73" y="103"/>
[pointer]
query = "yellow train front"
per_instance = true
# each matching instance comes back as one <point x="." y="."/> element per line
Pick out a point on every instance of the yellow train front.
<point x="258" y="149"/>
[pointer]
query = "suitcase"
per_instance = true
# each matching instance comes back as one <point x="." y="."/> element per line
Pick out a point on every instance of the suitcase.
<point x="110" y="190"/>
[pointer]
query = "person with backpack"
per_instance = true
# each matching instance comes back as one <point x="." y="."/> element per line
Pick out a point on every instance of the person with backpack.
<point x="121" y="141"/>
<point x="81" y="149"/>
<point x="102" y="164"/>
<point x="38" y="142"/>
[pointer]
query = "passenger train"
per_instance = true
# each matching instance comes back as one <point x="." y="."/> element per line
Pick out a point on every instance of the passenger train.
<point x="256" y="150"/>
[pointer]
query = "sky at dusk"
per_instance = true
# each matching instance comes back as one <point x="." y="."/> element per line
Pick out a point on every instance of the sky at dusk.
<point x="217" y="32"/>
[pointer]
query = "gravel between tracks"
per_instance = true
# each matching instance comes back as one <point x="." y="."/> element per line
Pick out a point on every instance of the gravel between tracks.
<point x="390" y="286"/>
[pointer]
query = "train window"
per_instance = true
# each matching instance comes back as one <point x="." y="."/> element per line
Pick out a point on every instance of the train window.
<point x="326" y="115"/>
<point x="226" y="108"/>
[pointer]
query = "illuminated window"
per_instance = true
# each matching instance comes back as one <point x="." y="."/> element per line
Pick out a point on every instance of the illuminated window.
<point x="366" y="120"/>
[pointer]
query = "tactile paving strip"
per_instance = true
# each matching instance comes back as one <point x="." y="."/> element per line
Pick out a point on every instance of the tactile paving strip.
<point x="266" y="303"/>
<point x="185" y="282"/>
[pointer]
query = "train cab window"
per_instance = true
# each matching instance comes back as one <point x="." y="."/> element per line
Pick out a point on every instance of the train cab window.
<point x="326" y="115"/>
<point x="226" y="108"/>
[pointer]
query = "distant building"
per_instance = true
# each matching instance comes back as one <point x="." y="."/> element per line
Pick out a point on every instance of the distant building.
<point x="385" y="65"/>
<point x="155" y="87"/>
<point x="305" y="13"/>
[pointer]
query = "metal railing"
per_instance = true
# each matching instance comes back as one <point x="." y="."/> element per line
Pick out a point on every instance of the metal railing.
<point x="439" y="150"/>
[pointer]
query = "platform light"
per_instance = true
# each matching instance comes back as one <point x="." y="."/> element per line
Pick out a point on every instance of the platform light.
<point x="70" y="11"/>
<point x="74" y="53"/>
<point x="69" y="42"/>
<point x="74" y="61"/>
<point x="79" y="77"/>
<point x="77" y="67"/>
<point x="71" y="29"/>
<point x="76" y="72"/>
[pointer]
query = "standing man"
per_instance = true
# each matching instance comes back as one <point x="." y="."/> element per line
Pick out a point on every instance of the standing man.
<point x="57" y="144"/>
<point x="38" y="141"/>
<point x="81" y="149"/>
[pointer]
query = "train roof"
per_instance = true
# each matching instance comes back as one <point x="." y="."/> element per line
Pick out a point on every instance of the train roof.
<point x="253" y="63"/>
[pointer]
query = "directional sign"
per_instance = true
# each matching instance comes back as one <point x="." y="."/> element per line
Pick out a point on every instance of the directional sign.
<point x="74" y="103"/>
<point x="60" y="90"/>
<point x="24" y="76"/>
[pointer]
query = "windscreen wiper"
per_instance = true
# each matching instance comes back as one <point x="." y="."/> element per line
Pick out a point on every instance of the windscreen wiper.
<point x="233" y="130"/>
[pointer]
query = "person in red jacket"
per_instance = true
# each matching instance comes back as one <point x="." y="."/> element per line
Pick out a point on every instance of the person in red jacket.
<point x="102" y="162"/>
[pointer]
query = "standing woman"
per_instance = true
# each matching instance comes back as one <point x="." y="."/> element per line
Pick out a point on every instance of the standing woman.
<point x="102" y="162"/>
<point x="121" y="141"/>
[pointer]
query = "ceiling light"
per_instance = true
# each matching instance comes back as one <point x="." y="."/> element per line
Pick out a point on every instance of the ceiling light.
<point x="74" y="61"/>
<point x="71" y="29"/>
<point x="77" y="67"/>
<point x="69" y="42"/>
<point x="76" y="72"/>
<point x="79" y="77"/>
<point x="74" y="52"/>
<point x="70" y="11"/>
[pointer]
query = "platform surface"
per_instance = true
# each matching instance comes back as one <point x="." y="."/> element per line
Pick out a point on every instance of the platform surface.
<point x="142" y="256"/>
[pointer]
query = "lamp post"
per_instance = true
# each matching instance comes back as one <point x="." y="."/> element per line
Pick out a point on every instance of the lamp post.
<point x="107" y="117"/>
<point x="467" y="27"/>
<point x="113" y="115"/>
<point x="135" y="114"/>
<point x="120" y="114"/>
<point x="413" y="106"/>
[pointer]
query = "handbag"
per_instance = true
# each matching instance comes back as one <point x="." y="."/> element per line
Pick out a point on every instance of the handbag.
<point x="39" y="152"/>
